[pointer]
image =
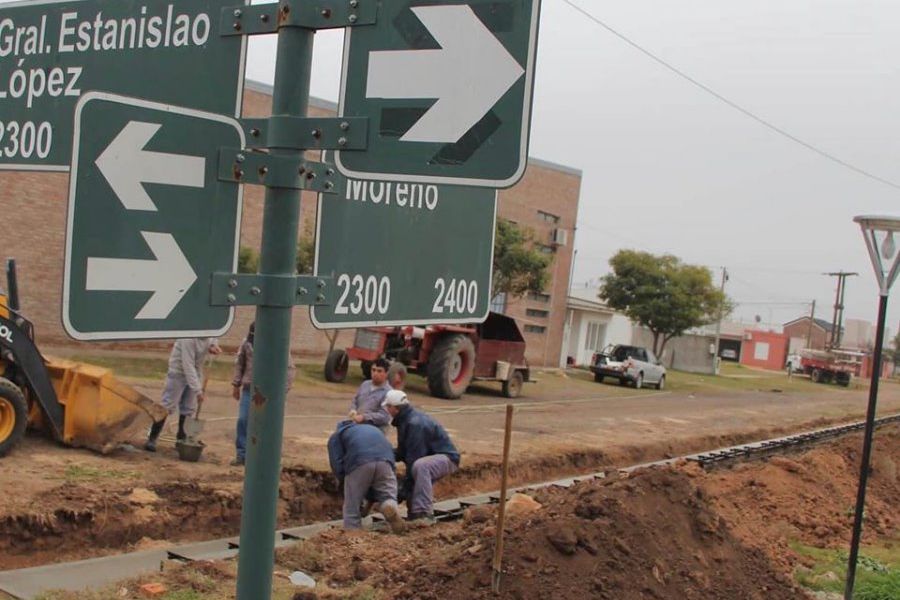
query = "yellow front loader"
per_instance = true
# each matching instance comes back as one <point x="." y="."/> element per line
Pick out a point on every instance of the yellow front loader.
<point x="77" y="404"/>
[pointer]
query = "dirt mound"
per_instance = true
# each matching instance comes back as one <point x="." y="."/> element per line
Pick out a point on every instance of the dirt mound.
<point x="809" y="497"/>
<point x="626" y="539"/>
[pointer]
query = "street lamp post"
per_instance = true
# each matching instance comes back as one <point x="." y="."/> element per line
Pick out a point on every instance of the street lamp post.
<point x="879" y="233"/>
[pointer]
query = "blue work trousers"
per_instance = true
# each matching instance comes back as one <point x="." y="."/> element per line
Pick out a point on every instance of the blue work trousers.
<point x="240" y="440"/>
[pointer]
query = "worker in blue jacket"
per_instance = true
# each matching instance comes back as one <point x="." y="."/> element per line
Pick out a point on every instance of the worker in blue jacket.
<point x="424" y="446"/>
<point x="363" y="461"/>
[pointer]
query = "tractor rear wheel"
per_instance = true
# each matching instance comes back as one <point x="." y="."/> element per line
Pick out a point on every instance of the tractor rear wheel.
<point x="366" y="366"/>
<point x="336" y="366"/>
<point x="451" y="367"/>
<point x="13" y="415"/>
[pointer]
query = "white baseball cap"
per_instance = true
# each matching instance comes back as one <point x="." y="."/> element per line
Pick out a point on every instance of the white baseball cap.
<point x="395" y="398"/>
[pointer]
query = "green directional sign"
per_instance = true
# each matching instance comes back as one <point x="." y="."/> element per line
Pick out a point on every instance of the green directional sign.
<point x="52" y="52"/>
<point x="405" y="253"/>
<point x="447" y="88"/>
<point x="148" y="220"/>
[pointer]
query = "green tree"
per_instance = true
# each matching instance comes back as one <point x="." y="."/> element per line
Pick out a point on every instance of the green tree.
<point x="306" y="250"/>
<point x="248" y="260"/>
<point x="663" y="294"/>
<point x="518" y="267"/>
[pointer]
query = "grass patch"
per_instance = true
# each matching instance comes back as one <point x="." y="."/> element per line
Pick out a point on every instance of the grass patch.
<point x="75" y="473"/>
<point x="732" y="376"/>
<point x="184" y="595"/>
<point x="877" y="571"/>
<point x="138" y="367"/>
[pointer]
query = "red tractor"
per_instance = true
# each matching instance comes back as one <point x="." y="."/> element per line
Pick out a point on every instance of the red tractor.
<point x="449" y="356"/>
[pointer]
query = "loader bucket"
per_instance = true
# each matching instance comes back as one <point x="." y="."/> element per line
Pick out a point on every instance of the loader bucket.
<point x="100" y="412"/>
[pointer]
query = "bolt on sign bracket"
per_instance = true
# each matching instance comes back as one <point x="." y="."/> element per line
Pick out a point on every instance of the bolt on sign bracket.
<point x="318" y="14"/>
<point x="242" y="289"/>
<point x="307" y="133"/>
<point x="277" y="171"/>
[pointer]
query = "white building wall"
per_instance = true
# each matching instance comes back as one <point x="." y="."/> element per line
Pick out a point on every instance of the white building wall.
<point x="583" y="342"/>
<point x="620" y="330"/>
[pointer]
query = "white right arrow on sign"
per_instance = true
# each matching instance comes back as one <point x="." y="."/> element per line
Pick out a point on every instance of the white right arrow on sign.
<point x="168" y="276"/>
<point x="127" y="166"/>
<point x="468" y="75"/>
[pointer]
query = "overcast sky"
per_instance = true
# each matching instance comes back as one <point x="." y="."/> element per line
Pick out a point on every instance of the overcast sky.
<point x="669" y="168"/>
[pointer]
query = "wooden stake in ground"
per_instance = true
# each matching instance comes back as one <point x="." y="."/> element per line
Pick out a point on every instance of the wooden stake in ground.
<point x="497" y="575"/>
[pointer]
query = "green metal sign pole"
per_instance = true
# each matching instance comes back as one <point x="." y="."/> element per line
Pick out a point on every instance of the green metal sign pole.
<point x="281" y="218"/>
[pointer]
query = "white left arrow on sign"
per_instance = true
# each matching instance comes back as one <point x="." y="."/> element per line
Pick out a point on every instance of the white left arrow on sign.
<point x="468" y="75"/>
<point x="169" y="275"/>
<point x="127" y="166"/>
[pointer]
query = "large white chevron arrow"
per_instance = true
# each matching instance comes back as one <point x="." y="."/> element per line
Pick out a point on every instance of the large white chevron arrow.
<point x="468" y="75"/>
<point x="168" y="276"/>
<point x="126" y="166"/>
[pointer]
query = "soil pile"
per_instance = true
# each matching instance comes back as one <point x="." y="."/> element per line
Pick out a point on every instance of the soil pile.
<point x="653" y="535"/>
<point x="809" y="497"/>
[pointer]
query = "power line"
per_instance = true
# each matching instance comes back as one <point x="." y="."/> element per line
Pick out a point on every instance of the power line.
<point x="731" y="103"/>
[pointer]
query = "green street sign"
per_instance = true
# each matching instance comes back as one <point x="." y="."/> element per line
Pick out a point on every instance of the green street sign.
<point x="52" y="52"/>
<point x="447" y="88"/>
<point x="149" y="222"/>
<point x="405" y="253"/>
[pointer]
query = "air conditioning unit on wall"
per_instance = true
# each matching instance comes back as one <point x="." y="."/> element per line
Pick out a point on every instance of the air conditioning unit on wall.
<point x="560" y="237"/>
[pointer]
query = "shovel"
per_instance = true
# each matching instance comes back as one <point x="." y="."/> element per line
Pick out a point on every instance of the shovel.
<point x="193" y="426"/>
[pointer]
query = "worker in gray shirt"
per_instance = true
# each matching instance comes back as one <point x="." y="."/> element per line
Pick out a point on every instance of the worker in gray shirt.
<point x="366" y="405"/>
<point x="184" y="388"/>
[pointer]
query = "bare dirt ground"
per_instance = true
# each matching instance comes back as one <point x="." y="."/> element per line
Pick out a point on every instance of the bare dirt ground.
<point x="747" y="532"/>
<point x="70" y="503"/>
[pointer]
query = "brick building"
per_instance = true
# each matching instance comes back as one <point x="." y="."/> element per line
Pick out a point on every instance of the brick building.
<point x="799" y="331"/>
<point x="34" y="216"/>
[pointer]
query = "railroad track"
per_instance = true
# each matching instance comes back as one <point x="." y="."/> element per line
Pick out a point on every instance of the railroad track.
<point x="96" y="572"/>
<point x="768" y="447"/>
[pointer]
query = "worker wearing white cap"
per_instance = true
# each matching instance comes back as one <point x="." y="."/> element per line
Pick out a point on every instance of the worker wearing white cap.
<point x="424" y="446"/>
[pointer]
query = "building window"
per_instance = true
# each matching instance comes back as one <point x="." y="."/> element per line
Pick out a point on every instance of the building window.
<point x="595" y="337"/>
<point x="535" y="329"/>
<point x="546" y="249"/>
<point x="547" y="217"/>
<point x="498" y="303"/>
<point x="545" y="298"/>
<point x="533" y="312"/>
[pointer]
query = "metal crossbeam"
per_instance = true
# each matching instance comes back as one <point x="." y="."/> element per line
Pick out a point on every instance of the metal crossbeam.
<point x="241" y="289"/>
<point x="319" y="14"/>
<point x="310" y="133"/>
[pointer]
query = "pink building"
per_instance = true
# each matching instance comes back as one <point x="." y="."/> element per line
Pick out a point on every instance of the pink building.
<point x="764" y="349"/>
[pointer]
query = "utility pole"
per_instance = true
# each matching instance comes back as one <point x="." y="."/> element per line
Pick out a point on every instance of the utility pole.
<point x="719" y="326"/>
<point x="812" y="318"/>
<point x="838" y="318"/>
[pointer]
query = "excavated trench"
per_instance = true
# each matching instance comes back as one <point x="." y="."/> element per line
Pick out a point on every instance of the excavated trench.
<point x="84" y="522"/>
<point x="81" y="521"/>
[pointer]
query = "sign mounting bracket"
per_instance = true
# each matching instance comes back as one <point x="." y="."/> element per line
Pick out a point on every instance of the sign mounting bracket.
<point x="320" y="14"/>
<point x="242" y="289"/>
<point x="307" y="133"/>
<point x="277" y="171"/>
